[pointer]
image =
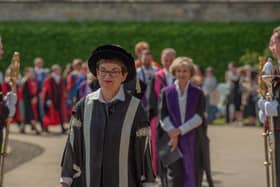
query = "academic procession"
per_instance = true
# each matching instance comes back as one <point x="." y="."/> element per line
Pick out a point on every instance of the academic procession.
<point x="153" y="103"/>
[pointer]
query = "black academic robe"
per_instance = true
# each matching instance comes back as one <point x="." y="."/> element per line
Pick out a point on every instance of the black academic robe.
<point x="132" y="88"/>
<point x="95" y="153"/>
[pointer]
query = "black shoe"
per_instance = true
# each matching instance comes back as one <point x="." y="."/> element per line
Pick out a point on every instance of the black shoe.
<point x="63" y="130"/>
<point x="22" y="131"/>
<point x="46" y="130"/>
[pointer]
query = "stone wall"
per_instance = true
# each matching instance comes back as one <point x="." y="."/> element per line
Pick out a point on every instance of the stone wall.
<point x="163" y="10"/>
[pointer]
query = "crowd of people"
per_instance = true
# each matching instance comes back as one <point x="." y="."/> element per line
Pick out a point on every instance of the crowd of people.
<point x="36" y="89"/>
<point x="167" y="89"/>
<point x="241" y="100"/>
<point x="46" y="96"/>
<point x="172" y="107"/>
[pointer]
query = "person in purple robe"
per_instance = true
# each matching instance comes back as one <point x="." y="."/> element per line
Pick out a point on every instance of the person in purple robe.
<point x="182" y="108"/>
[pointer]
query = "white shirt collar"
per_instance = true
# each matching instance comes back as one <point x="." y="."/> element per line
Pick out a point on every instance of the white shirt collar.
<point x="98" y="96"/>
<point x="150" y="69"/>
<point x="168" y="76"/>
<point x="166" y="72"/>
<point x="56" y="77"/>
<point x="178" y="88"/>
<point x="40" y="70"/>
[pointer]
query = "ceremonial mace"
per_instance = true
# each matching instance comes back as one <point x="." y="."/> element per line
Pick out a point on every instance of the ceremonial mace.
<point x="262" y="91"/>
<point x="269" y="138"/>
<point x="12" y="77"/>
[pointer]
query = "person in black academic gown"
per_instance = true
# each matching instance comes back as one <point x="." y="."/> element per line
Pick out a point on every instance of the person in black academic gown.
<point x="108" y="144"/>
<point x="53" y="97"/>
<point x="30" y="99"/>
<point x="161" y="79"/>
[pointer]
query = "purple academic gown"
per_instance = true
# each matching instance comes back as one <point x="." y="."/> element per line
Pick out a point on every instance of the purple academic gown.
<point x="187" y="141"/>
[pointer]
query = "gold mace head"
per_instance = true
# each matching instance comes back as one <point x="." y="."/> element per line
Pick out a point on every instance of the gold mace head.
<point x="14" y="68"/>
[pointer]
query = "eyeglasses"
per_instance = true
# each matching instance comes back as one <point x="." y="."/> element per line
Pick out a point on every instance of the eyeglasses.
<point x="113" y="73"/>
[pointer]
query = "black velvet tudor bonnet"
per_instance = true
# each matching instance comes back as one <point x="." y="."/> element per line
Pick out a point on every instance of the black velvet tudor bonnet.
<point x="108" y="52"/>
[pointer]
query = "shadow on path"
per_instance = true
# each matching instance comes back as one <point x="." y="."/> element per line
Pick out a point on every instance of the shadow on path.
<point x="21" y="152"/>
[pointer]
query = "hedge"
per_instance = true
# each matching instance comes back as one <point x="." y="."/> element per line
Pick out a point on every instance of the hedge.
<point x="209" y="44"/>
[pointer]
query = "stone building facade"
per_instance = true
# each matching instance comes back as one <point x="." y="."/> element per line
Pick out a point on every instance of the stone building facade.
<point x="136" y="10"/>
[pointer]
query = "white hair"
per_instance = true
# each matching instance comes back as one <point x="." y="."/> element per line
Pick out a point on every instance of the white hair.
<point x="168" y="50"/>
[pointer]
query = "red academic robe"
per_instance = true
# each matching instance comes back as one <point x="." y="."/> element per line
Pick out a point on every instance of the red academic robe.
<point x="18" y="115"/>
<point x="70" y="87"/>
<point x="5" y="87"/>
<point x="30" y="91"/>
<point x="57" y="109"/>
<point x="158" y="83"/>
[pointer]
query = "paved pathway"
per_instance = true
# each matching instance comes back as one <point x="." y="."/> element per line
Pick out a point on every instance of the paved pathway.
<point x="236" y="154"/>
<point x="43" y="170"/>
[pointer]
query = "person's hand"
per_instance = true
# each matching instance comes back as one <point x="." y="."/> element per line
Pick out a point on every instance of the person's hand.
<point x="261" y="116"/>
<point x="174" y="133"/>
<point x="9" y="120"/>
<point x="34" y="100"/>
<point x="173" y="143"/>
<point x="49" y="102"/>
<point x="41" y="96"/>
